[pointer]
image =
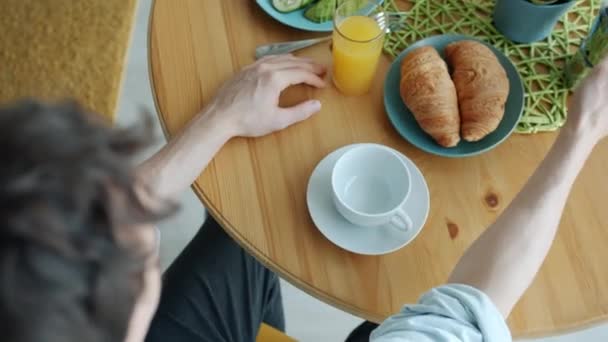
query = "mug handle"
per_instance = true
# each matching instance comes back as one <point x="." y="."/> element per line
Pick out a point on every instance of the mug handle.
<point x="401" y="220"/>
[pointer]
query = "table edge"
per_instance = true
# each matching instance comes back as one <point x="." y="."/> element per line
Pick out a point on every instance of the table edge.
<point x="159" y="115"/>
<point x="284" y="273"/>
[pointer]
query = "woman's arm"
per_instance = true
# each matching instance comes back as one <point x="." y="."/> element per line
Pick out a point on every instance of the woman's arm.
<point x="504" y="260"/>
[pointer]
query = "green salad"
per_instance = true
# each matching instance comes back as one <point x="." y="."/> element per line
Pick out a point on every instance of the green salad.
<point x="318" y="11"/>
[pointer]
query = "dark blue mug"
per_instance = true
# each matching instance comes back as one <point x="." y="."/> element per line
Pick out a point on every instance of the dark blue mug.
<point x="524" y="22"/>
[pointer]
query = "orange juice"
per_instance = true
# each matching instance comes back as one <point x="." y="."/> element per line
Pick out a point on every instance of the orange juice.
<point x="357" y="44"/>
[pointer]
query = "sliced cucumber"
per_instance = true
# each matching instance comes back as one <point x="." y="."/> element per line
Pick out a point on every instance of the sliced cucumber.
<point x="321" y="11"/>
<point x="286" y="6"/>
<point x="352" y="7"/>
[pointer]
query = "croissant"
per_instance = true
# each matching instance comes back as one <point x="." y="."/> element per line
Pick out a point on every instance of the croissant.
<point x="482" y="86"/>
<point x="428" y="91"/>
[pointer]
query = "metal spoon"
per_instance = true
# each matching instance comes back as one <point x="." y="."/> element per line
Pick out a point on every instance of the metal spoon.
<point x="388" y="21"/>
<point x="286" y="47"/>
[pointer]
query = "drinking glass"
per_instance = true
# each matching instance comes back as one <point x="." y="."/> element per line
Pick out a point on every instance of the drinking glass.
<point x="358" y="38"/>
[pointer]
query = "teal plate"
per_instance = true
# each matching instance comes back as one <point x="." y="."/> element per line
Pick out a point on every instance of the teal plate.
<point x="404" y="122"/>
<point x="295" y="19"/>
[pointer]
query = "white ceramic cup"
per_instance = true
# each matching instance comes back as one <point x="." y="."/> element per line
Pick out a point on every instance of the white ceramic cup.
<point x="370" y="184"/>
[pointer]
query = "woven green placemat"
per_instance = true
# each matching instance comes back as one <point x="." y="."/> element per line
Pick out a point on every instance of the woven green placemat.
<point x="540" y="64"/>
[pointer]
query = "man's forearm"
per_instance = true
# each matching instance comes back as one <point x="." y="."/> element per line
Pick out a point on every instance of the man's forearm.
<point x="506" y="257"/>
<point x="177" y="165"/>
<point x="246" y="106"/>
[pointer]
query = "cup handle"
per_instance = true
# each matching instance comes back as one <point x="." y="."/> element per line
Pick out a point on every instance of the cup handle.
<point x="401" y="221"/>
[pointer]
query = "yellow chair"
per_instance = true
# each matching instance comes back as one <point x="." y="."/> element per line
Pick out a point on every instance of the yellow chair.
<point x="78" y="53"/>
<point x="270" y="334"/>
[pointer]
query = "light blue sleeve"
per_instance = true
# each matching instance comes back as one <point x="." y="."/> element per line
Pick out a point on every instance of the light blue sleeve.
<point x="448" y="313"/>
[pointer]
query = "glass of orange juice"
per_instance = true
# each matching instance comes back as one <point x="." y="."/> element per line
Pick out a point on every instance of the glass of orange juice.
<point x="357" y="45"/>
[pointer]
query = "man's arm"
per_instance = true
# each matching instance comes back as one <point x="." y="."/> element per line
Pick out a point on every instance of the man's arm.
<point x="504" y="260"/>
<point x="248" y="105"/>
<point x="177" y="164"/>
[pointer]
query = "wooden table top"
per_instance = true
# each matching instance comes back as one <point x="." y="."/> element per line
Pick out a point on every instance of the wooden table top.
<point x="256" y="188"/>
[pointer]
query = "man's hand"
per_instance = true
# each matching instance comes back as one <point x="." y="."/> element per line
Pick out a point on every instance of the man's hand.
<point x="589" y="107"/>
<point x="249" y="103"/>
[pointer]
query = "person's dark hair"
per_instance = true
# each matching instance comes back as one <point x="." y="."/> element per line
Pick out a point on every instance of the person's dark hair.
<point x="64" y="274"/>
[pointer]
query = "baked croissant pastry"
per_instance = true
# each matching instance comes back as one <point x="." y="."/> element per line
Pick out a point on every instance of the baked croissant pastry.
<point x="482" y="86"/>
<point x="428" y="91"/>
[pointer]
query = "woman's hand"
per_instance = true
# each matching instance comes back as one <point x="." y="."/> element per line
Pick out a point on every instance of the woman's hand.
<point x="249" y="103"/>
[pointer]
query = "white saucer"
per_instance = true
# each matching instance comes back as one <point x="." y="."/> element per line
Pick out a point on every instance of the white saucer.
<point x="357" y="239"/>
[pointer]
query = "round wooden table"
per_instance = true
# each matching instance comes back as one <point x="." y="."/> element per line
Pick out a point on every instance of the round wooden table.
<point x="256" y="188"/>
